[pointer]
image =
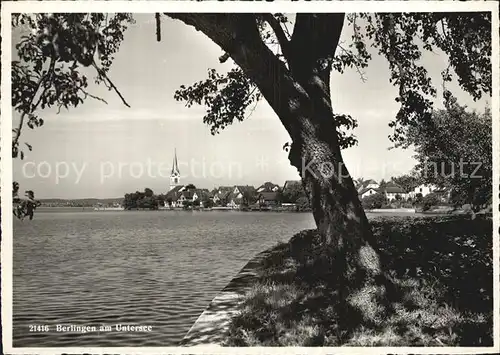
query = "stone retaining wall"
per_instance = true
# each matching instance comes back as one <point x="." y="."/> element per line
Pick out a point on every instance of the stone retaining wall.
<point x="212" y="325"/>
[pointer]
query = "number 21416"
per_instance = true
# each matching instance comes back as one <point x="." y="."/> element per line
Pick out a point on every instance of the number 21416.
<point x="39" y="328"/>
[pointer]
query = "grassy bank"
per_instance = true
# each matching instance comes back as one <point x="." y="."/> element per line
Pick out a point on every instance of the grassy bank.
<point x="442" y="268"/>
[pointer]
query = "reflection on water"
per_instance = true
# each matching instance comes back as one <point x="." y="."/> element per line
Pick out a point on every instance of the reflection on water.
<point x="143" y="268"/>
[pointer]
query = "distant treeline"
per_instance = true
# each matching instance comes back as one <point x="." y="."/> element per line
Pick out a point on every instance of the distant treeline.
<point x="84" y="202"/>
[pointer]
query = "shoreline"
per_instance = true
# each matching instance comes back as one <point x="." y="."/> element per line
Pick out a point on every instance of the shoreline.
<point x="225" y="209"/>
<point x="176" y="209"/>
<point x="212" y="326"/>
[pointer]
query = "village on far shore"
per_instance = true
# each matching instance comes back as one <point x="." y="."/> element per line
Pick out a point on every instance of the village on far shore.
<point x="289" y="196"/>
<point x="269" y="196"/>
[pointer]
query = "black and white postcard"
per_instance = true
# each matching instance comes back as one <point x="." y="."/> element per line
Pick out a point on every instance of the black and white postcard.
<point x="250" y="177"/>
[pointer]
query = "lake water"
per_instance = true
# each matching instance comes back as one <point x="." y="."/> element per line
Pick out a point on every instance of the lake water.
<point x="159" y="268"/>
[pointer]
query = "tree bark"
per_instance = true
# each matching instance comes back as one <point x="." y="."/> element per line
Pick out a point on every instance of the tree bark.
<point x="300" y="96"/>
<point x="337" y="210"/>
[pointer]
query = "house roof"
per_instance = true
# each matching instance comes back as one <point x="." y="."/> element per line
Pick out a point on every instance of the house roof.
<point x="173" y="194"/>
<point x="362" y="191"/>
<point x="394" y="190"/>
<point x="289" y="183"/>
<point x="224" y="188"/>
<point x="268" y="186"/>
<point x="246" y="188"/>
<point x="202" y="193"/>
<point x="222" y="191"/>
<point x="188" y="194"/>
<point x="369" y="182"/>
<point x="364" y="185"/>
<point x="268" y="196"/>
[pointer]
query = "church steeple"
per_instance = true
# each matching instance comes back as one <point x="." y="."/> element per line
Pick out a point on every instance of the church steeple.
<point x="175" y="166"/>
<point x="175" y="174"/>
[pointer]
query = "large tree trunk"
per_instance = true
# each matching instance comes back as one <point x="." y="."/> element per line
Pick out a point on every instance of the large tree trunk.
<point x="337" y="211"/>
<point x="299" y="94"/>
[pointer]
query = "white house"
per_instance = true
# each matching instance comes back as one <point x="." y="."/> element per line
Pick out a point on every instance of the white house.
<point x="233" y="204"/>
<point x="368" y="184"/>
<point x="179" y="194"/>
<point x="393" y="190"/>
<point x="367" y="188"/>
<point x="422" y="189"/>
<point x="237" y="197"/>
<point x="189" y="196"/>
<point x="367" y="192"/>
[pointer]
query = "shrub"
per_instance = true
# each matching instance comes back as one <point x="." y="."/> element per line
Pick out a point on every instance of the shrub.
<point x="208" y="203"/>
<point x="373" y="201"/>
<point x="430" y="201"/>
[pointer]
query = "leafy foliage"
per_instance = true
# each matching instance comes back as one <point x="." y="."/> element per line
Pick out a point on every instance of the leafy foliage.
<point x="293" y="192"/>
<point x="52" y="50"/>
<point x="142" y="200"/>
<point x="419" y="198"/>
<point x="226" y="96"/>
<point x="464" y="37"/>
<point x="207" y="202"/>
<point x="455" y="152"/>
<point x="408" y="182"/>
<point x="56" y="45"/>
<point x="373" y="201"/>
<point x="429" y="201"/>
<point x="400" y="37"/>
<point x="23" y="206"/>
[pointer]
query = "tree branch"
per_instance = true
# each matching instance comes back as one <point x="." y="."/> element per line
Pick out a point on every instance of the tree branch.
<point x="158" y="27"/>
<point x="223" y="58"/>
<point x="238" y="35"/>
<point x="280" y="34"/>
<point x="87" y="94"/>
<point x="256" y="102"/>
<point x="315" y="37"/>
<point x="31" y="108"/>
<point x="102" y="75"/>
<point x="392" y="49"/>
<point x="47" y="78"/>
<point x="356" y="65"/>
<point x="313" y="44"/>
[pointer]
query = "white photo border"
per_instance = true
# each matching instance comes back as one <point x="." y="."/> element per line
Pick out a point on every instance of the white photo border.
<point x="8" y="8"/>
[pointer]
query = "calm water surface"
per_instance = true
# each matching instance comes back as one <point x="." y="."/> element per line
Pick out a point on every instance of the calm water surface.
<point x="142" y="268"/>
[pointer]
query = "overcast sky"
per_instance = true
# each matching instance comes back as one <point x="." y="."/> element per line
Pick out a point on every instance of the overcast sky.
<point x="107" y="150"/>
